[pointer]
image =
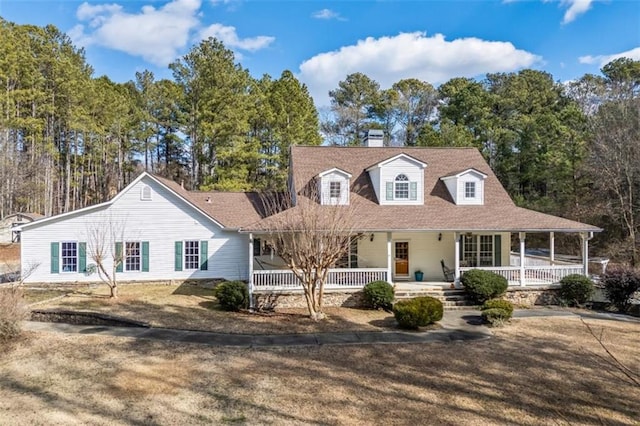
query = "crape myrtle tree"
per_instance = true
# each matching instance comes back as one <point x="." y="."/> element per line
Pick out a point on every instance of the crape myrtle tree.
<point x="310" y="238"/>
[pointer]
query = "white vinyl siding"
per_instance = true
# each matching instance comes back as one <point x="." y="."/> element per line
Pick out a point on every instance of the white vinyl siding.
<point x="159" y="223"/>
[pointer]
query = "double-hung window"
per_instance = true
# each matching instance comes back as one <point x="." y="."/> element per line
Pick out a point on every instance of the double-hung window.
<point x="192" y="255"/>
<point x="133" y="258"/>
<point x="401" y="187"/>
<point x="69" y="256"/>
<point x="469" y="190"/>
<point x="334" y="189"/>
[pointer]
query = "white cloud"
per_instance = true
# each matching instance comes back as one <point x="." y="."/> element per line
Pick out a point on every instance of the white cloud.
<point x="605" y="59"/>
<point x="327" y="14"/>
<point x="411" y="55"/>
<point x="576" y="7"/>
<point x="154" y="34"/>
<point x="231" y="40"/>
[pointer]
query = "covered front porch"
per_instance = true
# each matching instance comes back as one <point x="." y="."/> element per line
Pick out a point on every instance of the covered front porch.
<point x="422" y="258"/>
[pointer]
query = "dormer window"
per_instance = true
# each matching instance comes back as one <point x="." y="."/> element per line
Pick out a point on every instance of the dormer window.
<point x="466" y="187"/>
<point x="334" y="189"/>
<point x="333" y="185"/>
<point x="401" y="187"/>
<point x="469" y="190"/>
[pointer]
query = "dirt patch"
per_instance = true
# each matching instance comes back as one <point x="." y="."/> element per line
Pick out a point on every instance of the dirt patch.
<point x="534" y="371"/>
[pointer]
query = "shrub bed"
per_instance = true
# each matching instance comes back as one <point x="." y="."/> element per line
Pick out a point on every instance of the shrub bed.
<point x="576" y="290"/>
<point x="418" y="312"/>
<point x="232" y="295"/>
<point x="483" y="285"/>
<point x="378" y="295"/>
<point x="620" y="284"/>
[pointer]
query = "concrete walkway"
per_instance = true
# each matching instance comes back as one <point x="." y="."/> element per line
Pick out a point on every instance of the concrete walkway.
<point x="456" y="326"/>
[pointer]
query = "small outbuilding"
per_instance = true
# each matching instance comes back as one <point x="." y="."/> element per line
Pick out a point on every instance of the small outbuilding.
<point x="8" y="233"/>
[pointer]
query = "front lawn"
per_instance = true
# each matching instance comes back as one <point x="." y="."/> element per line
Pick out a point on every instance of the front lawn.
<point x="194" y="308"/>
<point x="534" y="371"/>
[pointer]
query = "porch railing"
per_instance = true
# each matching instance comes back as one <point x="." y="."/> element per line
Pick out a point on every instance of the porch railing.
<point x="284" y="279"/>
<point x="533" y="275"/>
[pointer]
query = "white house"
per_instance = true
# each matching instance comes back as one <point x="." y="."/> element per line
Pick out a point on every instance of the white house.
<point x="417" y="208"/>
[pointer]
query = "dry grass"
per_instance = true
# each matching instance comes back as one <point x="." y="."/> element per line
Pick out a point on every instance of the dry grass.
<point x="535" y="371"/>
<point x="195" y="308"/>
<point x="10" y="253"/>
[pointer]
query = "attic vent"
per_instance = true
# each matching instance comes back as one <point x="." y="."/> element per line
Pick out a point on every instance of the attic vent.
<point x="145" y="193"/>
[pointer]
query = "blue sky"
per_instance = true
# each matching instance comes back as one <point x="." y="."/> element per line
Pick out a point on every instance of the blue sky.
<point x="323" y="41"/>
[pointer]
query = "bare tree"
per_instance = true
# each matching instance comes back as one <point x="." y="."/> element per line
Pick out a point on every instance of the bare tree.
<point x="105" y="243"/>
<point x="310" y="238"/>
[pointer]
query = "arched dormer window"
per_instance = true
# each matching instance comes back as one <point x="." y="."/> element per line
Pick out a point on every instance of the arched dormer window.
<point x="401" y="187"/>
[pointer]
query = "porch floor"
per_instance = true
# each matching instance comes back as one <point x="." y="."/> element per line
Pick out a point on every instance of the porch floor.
<point x="421" y="285"/>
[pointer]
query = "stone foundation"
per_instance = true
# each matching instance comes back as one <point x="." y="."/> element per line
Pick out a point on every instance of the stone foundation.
<point x="532" y="296"/>
<point x="283" y="300"/>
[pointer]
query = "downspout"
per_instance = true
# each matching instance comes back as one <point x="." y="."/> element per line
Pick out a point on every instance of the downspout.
<point x="251" y="301"/>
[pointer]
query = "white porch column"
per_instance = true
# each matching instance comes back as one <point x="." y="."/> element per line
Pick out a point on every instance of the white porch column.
<point x="552" y="248"/>
<point x="585" y="252"/>
<point x="389" y="259"/>
<point x="456" y="257"/>
<point x="251" y="303"/>
<point x="522" y="236"/>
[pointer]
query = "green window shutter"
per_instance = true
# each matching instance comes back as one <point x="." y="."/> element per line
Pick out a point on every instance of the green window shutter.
<point x="497" y="250"/>
<point x="119" y="258"/>
<point x="413" y="191"/>
<point x="389" y="191"/>
<point x="178" y="256"/>
<point x="55" y="258"/>
<point x="145" y="256"/>
<point x="204" y="255"/>
<point x="461" y="251"/>
<point x="82" y="257"/>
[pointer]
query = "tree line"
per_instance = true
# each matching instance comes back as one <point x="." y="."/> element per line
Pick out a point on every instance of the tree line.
<point x="69" y="139"/>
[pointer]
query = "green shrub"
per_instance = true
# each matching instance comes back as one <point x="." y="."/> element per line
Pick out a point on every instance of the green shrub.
<point x="576" y="290"/>
<point x="496" y="316"/>
<point x="378" y="295"/>
<point x="498" y="304"/>
<point x="418" y="312"/>
<point x="483" y="285"/>
<point x="232" y="295"/>
<point x="620" y="284"/>
<point x="12" y="312"/>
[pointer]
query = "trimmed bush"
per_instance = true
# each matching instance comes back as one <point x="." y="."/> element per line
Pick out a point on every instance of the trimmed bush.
<point x="232" y="295"/>
<point x="620" y="283"/>
<point x="418" y="312"/>
<point x="483" y="285"/>
<point x="495" y="316"/>
<point x="12" y="312"/>
<point x="505" y="305"/>
<point x="378" y="295"/>
<point x="576" y="290"/>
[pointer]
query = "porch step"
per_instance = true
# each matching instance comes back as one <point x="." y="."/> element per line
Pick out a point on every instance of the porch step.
<point x="452" y="299"/>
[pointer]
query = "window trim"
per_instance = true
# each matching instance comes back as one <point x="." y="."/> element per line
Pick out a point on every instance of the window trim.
<point x="470" y="187"/>
<point x="478" y="253"/>
<point x="62" y="257"/>
<point x="332" y="189"/>
<point x="184" y="255"/>
<point x="126" y="255"/>
<point x="401" y="179"/>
